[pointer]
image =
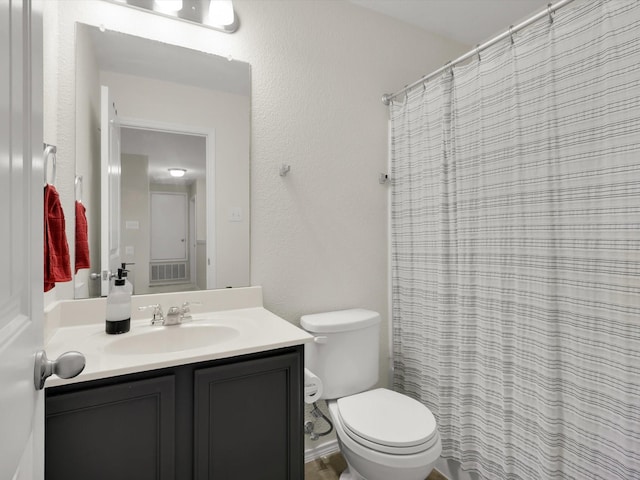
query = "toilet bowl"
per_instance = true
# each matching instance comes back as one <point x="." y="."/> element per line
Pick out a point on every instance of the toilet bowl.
<point x="382" y="434"/>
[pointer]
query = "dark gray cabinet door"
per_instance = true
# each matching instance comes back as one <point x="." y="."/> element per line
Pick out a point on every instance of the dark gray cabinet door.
<point x="124" y="431"/>
<point x="227" y="419"/>
<point x="248" y="420"/>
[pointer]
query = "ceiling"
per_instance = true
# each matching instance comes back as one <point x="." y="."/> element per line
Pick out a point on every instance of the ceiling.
<point x="467" y="21"/>
<point x="165" y="150"/>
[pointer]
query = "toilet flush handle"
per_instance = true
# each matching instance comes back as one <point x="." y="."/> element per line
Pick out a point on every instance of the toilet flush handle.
<point x="320" y="339"/>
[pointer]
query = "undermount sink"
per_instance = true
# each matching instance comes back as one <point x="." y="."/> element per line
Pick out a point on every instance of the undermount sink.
<point x="171" y="339"/>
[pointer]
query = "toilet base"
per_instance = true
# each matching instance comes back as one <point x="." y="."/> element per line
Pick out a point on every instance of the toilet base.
<point x="371" y="471"/>
<point x="349" y="474"/>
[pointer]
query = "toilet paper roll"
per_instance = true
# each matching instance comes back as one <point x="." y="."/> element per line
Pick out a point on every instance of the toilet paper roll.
<point x="312" y="387"/>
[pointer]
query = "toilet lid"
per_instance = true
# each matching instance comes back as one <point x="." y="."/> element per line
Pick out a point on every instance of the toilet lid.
<point x="387" y="418"/>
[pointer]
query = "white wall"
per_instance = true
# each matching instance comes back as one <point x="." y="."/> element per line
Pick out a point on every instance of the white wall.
<point x="135" y="194"/>
<point x="319" y="68"/>
<point x="87" y="98"/>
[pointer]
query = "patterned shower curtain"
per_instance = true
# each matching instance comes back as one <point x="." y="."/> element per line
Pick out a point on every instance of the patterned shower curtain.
<point x="516" y="249"/>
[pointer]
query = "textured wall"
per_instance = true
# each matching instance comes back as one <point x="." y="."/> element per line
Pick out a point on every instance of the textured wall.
<point x="318" y="235"/>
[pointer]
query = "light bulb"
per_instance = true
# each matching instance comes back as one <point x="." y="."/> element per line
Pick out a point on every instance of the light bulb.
<point x="220" y="13"/>
<point x="167" y="6"/>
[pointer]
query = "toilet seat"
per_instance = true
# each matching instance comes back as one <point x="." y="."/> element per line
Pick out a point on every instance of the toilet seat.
<point x="387" y="421"/>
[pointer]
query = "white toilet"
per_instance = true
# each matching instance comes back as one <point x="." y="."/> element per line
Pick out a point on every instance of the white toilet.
<point x="382" y="434"/>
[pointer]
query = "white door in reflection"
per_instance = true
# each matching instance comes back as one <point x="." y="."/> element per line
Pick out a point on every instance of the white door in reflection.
<point x="169" y="236"/>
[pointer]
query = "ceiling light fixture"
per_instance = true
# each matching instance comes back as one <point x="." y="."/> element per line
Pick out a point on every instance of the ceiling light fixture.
<point x="177" y="172"/>
<point x="215" y="14"/>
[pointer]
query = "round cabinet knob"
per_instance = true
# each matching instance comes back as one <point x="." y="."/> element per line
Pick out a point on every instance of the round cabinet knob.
<point x="67" y="365"/>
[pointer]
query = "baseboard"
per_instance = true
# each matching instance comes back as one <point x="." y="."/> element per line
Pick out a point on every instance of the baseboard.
<point x="323" y="450"/>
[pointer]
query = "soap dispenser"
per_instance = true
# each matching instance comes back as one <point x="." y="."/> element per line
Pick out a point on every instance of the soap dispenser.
<point x="118" y="319"/>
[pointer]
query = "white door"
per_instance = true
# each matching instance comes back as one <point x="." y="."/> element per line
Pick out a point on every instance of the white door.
<point x="21" y="198"/>
<point x="168" y="226"/>
<point x="109" y="189"/>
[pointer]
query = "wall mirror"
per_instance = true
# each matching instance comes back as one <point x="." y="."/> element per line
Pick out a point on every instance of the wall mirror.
<point x="177" y="109"/>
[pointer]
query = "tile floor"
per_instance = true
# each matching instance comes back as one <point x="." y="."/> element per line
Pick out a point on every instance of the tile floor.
<point x="329" y="468"/>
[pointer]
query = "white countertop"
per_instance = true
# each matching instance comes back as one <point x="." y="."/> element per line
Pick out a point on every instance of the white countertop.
<point x="253" y="330"/>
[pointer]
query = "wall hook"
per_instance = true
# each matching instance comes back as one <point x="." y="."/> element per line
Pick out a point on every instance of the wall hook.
<point x="284" y="169"/>
<point x="383" y="178"/>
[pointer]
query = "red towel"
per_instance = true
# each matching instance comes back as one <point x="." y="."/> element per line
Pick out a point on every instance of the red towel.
<point x="57" y="263"/>
<point x="82" y="237"/>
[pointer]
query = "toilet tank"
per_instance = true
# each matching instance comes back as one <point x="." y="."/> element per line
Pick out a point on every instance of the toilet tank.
<point x="345" y="350"/>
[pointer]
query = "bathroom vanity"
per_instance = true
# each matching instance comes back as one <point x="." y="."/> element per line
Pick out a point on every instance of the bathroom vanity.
<point x="224" y="419"/>
<point x="227" y="410"/>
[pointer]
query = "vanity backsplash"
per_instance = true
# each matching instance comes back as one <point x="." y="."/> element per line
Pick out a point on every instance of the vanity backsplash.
<point x="69" y="313"/>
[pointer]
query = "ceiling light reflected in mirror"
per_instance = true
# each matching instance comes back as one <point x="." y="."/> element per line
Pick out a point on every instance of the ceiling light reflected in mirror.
<point x="216" y="14"/>
<point x="177" y="172"/>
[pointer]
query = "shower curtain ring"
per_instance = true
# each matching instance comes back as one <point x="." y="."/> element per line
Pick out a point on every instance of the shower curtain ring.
<point x="511" y="34"/>
<point x="449" y="65"/>
<point x="549" y="11"/>
<point x="478" y="52"/>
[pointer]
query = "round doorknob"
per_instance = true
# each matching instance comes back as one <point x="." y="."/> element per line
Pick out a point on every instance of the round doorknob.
<point x="67" y="365"/>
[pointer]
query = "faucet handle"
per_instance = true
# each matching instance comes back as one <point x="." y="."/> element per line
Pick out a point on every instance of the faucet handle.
<point x="158" y="316"/>
<point x="185" y="310"/>
<point x="186" y="305"/>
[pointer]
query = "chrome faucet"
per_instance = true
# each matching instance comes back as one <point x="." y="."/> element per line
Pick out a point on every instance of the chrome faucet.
<point x="174" y="316"/>
<point x="158" y="316"/>
<point x="177" y="315"/>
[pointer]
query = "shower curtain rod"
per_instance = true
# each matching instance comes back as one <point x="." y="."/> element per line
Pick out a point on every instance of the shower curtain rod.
<point x="388" y="97"/>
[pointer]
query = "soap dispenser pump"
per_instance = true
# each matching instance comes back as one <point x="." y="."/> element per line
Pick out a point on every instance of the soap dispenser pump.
<point x="124" y="273"/>
<point x="118" y="319"/>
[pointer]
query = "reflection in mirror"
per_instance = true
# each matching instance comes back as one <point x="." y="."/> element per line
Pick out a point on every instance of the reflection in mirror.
<point x="161" y="213"/>
<point x="178" y="108"/>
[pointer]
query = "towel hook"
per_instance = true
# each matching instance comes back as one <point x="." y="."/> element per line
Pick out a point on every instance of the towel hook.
<point x="284" y="169"/>
<point x="49" y="152"/>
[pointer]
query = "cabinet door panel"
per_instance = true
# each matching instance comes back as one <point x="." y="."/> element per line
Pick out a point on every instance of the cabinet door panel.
<point x="248" y="420"/>
<point x="123" y="431"/>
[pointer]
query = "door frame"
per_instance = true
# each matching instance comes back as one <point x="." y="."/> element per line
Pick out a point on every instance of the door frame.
<point x="210" y="162"/>
<point x="193" y="264"/>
